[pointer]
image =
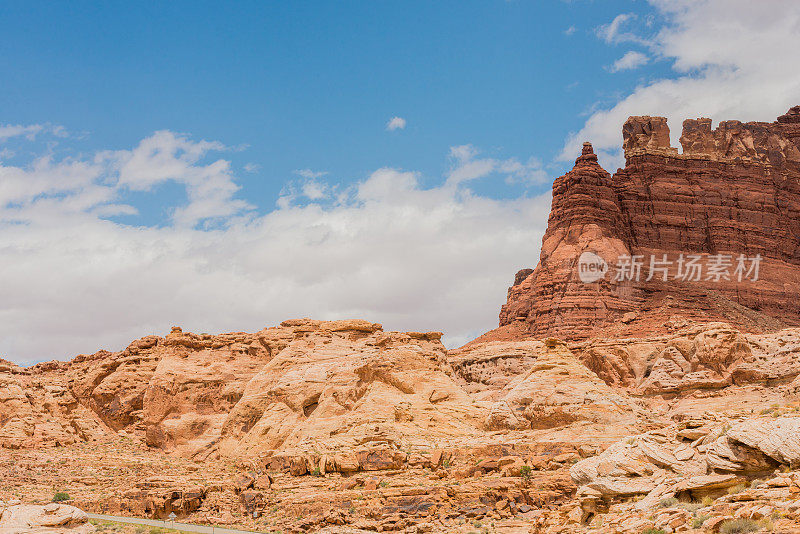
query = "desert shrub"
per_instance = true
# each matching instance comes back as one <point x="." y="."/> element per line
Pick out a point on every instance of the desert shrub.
<point x="60" y="496"/>
<point x="525" y="471"/>
<point x="667" y="502"/>
<point x="739" y="526"/>
<point x="698" y="521"/>
<point x="691" y="506"/>
<point x="653" y="530"/>
<point x="738" y="488"/>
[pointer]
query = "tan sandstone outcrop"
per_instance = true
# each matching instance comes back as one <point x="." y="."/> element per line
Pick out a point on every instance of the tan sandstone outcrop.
<point x="542" y="385"/>
<point x="48" y="519"/>
<point x="36" y="411"/>
<point x="302" y="386"/>
<point x="349" y="386"/>
<point x="708" y="356"/>
<point x="693" y="459"/>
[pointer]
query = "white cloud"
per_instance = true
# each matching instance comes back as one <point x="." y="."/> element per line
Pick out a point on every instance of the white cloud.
<point x="465" y="166"/>
<point x="730" y="59"/>
<point x="396" y="123"/>
<point x="308" y="173"/>
<point x="387" y="250"/>
<point x="49" y="188"/>
<point x="569" y="31"/>
<point x="30" y="131"/>
<point x="314" y="190"/>
<point x="252" y="167"/>
<point x="614" y="32"/>
<point x="631" y="60"/>
<point x="165" y="157"/>
<point x="8" y="131"/>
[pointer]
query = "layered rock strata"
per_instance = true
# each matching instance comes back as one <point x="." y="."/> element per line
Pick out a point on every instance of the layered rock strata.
<point x="712" y="233"/>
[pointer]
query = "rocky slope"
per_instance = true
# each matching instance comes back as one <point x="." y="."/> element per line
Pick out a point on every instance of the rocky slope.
<point x="316" y="425"/>
<point x="733" y="192"/>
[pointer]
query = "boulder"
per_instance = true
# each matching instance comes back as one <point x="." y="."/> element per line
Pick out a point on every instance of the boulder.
<point x="51" y="518"/>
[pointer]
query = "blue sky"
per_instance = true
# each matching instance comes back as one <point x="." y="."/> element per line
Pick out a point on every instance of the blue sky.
<point x="226" y="166"/>
<point x="311" y="85"/>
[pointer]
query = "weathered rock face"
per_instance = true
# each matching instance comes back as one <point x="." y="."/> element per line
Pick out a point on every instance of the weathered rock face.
<point x="36" y="411"/>
<point x="197" y="382"/>
<point x="112" y="385"/>
<point x="692" y="459"/>
<point x="542" y="385"/>
<point x="321" y="386"/>
<point x="51" y="518"/>
<point x="732" y="195"/>
<point x="349" y="386"/>
<point x="161" y="496"/>
<point x="711" y="356"/>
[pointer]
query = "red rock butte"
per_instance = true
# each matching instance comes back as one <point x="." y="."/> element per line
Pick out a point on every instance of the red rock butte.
<point x="731" y="196"/>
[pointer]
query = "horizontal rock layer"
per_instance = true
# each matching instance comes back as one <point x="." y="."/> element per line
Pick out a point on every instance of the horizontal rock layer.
<point x="734" y="191"/>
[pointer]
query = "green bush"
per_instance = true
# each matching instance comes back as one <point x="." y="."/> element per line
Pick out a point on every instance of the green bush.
<point x="738" y="488"/>
<point x="739" y="526"/>
<point x="691" y="506"/>
<point x="698" y="521"/>
<point x="668" y="502"/>
<point x="653" y="530"/>
<point x="60" y="496"/>
<point x="525" y="471"/>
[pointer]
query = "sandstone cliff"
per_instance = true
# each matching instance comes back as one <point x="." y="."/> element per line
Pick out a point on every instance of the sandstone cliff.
<point x="731" y="196"/>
